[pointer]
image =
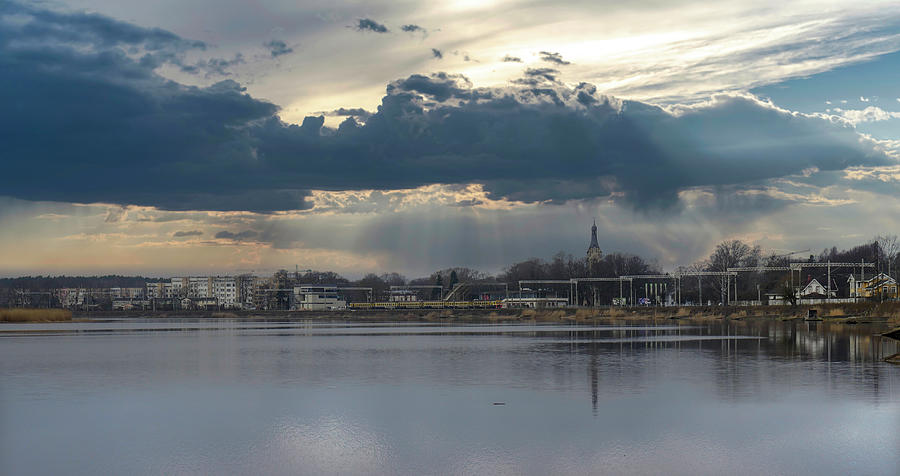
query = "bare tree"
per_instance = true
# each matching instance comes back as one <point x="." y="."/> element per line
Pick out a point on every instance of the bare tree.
<point x="730" y="254"/>
<point x="393" y="279"/>
<point x="888" y="247"/>
<point x="788" y="294"/>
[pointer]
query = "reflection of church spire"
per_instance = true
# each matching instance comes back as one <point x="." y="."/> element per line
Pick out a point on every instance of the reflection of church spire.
<point x="594" y="381"/>
<point x="593" y="252"/>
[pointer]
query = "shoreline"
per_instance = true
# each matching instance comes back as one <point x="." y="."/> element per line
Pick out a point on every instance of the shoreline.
<point x="888" y="313"/>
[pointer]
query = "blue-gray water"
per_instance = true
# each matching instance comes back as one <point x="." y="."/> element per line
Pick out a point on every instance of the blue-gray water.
<point x="240" y="397"/>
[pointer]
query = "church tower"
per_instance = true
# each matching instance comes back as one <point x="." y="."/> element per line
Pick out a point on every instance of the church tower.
<point x="593" y="253"/>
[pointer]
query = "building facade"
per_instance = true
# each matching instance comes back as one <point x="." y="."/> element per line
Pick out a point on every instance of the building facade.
<point x="317" y="298"/>
<point x="230" y="292"/>
<point x="880" y="286"/>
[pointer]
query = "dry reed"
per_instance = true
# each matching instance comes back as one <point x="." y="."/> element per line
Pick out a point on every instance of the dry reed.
<point x="35" y="315"/>
<point x="616" y="312"/>
<point x="224" y="315"/>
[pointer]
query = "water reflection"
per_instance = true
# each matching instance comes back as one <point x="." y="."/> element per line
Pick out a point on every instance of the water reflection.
<point x="275" y="397"/>
<point x="748" y="359"/>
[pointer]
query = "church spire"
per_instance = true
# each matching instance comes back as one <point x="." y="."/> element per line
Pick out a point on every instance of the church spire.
<point x="593" y="252"/>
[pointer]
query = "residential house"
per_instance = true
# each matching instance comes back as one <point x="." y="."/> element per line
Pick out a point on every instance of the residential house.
<point x="815" y="290"/>
<point x="879" y="286"/>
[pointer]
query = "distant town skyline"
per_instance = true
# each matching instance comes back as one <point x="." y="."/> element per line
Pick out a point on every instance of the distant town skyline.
<point x="162" y="138"/>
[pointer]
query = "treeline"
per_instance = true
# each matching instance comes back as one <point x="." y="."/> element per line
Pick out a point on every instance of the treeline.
<point x="882" y="250"/>
<point x="560" y="266"/>
<point x="53" y="282"/>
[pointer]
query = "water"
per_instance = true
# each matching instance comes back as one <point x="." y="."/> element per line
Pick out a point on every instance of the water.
<point x="248" y="397"/>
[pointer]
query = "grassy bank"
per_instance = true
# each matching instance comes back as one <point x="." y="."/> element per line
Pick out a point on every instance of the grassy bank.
<point x="881" y="312"/>
<point x="35" y="315"/>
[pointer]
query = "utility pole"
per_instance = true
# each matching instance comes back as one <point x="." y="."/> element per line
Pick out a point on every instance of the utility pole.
<point x="700" y="287"/>
<point x="735" y="290"/>
<point x="727" y="290"/>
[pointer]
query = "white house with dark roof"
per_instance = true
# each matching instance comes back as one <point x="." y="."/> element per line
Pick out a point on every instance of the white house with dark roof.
<point x="815" y="290"/>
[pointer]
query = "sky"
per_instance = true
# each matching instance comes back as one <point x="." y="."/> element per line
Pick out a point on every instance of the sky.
<point x="218" y="137"/>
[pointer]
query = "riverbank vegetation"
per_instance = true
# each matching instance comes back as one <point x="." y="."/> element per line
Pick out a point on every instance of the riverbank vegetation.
<point x="35" y="315"/>
<point x="888" y="312"/>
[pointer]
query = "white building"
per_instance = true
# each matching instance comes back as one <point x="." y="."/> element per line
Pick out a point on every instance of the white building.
<point x="223" y="291"/>
<point x="813" y="293"/>
<point x="164" y="290"/>
<point x="318" y="298"/>
<point x="534" y="302"/>
<point x="815" y="290"/>
<point x="75" y="297"/>
<point x="403" y="295"/>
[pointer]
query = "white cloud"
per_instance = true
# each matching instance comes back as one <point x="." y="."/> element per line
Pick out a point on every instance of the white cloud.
<point x="663" y="52"/>
<point x="869" y="114"/>
<point x="863" y="99"/>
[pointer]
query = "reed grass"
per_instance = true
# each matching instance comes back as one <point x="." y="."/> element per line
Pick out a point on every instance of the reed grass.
<point x="224" y="315"/>
<point x="612" y="311"/>
<point x="587" y="313"/>
<point x="35" y="315"/>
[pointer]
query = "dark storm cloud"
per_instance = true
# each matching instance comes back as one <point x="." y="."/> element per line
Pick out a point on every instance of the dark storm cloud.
<point x="440" y="86"/>
<point x="30" y="27"/>
<point x="543" y="144"/>
<point x="547" y="73"/>
<point x="215" y="66"/>
<point x="553" y="58"/>
<point x="366" y="24"/>
<point x="586" y="94"/>
<point x="111" y="130"/>
<point x="91" y="113"/>
<point x="413" y="29"/>
<point x="241" y="236"/>
<point x="535" y="76"/>
<point x="437" y="53"/>
<point x="511" y="59"/>
<point x="277" y="48"/>
<point x="349" y="111"/>
<point x="88" y="28"/>
<point x="180" y="234"/>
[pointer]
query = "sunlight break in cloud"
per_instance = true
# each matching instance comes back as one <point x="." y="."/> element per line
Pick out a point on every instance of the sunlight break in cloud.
<point x="869" y="114"/>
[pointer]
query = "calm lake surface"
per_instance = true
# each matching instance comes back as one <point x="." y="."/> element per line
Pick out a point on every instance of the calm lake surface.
<point x="251" y="397"/>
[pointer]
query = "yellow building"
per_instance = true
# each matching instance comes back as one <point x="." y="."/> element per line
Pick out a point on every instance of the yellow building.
<point x="879" y="286"/>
